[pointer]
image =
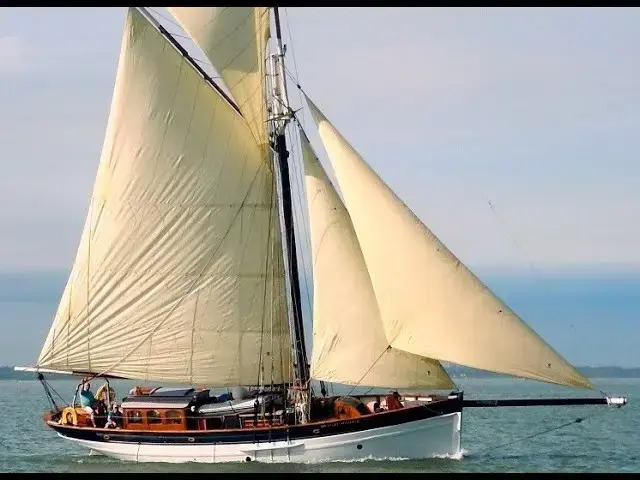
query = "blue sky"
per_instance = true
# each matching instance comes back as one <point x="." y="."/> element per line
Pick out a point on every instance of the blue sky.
<point x="532" y="109"/>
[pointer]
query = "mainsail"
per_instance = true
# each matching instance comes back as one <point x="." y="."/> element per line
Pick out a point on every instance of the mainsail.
<point x="234" y="40"/>
<point x="178" y="276"/>
<point x="430" y="303"/>
<point x="349" y="342"/>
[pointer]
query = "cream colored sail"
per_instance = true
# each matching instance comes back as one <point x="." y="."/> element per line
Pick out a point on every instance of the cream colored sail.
<point x="234" y="40"/>
<point x="177" y="277"/>
<point x="349" y="342"/>
<point x="430" y="303"/>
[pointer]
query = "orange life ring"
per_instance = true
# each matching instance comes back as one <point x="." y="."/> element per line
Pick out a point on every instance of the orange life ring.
<point x="69" y="416"/>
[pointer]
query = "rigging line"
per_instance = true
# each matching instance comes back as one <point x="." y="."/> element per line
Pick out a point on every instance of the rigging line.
<point x="288" y="72"/>
<point x="543" y="432"/>
<point x="237" y="27"/>
<point x="179" y="35"/>
<point x="208" y="64"/>
<point x="278" y="268"/>
<point x="300" y="203"/>
<point x="168" y="19"/>
<point x="264" y="297"/>
<point x="306" y="260"/>
<point x="272" y="254"/>
<point x="271" y="275"/>
<point x="509" y="232"/>
<point x="233" y="59"/>
<point x="301" y="92"/>
<point x="367" y="372"/>
<point x="304" y="232"/>
<point x="293" y="55"/>
<point x="47" y="385"/>
<point x="247" y="45"/>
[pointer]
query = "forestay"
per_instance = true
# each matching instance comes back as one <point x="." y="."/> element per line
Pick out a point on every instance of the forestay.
<point x="178" y="276"/>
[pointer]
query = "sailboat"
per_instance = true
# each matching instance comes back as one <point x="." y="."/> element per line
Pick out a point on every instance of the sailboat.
<point x="186" y="273"/>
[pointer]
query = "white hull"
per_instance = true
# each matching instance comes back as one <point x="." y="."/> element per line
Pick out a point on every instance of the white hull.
<point x="432" y="437"/>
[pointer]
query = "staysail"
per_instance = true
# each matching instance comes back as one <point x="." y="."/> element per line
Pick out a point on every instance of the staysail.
<point x="431" y="304"/>
<point x="234" y="40"/>
<point x="178" y="276"/>
<point x="349" y="342"/>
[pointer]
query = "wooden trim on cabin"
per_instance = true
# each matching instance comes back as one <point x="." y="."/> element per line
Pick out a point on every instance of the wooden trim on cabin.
<point x="155" y="419"/>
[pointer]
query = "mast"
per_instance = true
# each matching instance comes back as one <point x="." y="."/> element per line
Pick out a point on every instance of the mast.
<point x="280" y="116"/>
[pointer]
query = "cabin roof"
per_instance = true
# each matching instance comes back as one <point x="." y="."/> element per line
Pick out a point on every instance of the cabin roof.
<point x="172" y="392"/>
<point x="166" y="398"/>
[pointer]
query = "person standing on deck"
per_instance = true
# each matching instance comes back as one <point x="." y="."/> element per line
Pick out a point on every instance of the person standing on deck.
<point x="87" y="401"/>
